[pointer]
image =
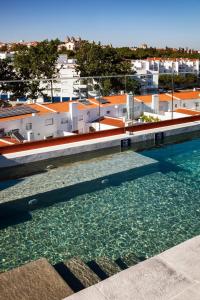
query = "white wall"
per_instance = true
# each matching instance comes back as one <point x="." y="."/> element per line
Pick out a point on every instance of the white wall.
<point x="165" y="65"/>
<point x="39" y="125"/>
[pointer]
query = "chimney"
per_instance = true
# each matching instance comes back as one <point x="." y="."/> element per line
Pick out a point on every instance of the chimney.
<point x="130" y="107"/>
<point x="155" y="104"/>
<point x="73" y="110"/>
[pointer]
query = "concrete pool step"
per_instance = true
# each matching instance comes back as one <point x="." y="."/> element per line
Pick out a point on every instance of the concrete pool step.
<point x="35" y="280"/>
<point x="128" y="260"/>
<point x="82" y="272"/>
<point x="80" y="275"/>
<point x="104" y="267"/>
<point x="131" y="259"/>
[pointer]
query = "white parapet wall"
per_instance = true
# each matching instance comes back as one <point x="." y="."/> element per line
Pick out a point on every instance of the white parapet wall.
<point x="160" y="117"/>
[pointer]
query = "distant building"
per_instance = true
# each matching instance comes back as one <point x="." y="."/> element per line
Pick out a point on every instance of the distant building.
<point x="162" y="65"/>
<point x="71" y="43"/>
<point x="150" y="68"/>
<point x="65" y="88"/>
<point x="28" y="44"/>
<point x="143" y="46"/>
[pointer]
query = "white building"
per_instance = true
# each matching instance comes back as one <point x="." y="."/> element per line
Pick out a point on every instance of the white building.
<point x="83" y="116"/>
<point x="162" y="105"/>
<point x="162" y="66"/>
<point x="66" y="85"/>
<point x="61" y="119"/>
<point x="70" y="43"/>
<point x="150" y="68"/>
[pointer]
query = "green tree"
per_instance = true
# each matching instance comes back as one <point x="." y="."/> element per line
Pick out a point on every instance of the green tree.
<point x="179" y="81"/>
<point x="70" y="53"/>
<point x="126" y="53"/>
<point x="18" y="47"/>
<point x="37" y="63"/>
<point x="10" y="81"/>
<point x="93" y="60"/>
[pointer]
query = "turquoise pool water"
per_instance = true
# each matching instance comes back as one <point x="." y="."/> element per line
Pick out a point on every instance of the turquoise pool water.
<point x="142" y="208"/>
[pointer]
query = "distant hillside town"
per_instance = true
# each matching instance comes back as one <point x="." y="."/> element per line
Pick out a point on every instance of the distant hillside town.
<point x="73" y="43"/>
<point x="71" y="61"/>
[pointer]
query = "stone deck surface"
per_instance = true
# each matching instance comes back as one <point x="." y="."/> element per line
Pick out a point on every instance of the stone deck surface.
<point x="174" y="274"/>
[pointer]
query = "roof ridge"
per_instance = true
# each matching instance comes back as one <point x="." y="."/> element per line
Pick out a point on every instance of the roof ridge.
<point x="46" y="107"/>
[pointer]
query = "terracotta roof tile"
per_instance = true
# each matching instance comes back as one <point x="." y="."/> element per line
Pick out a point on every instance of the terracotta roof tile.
<point x="188" y="112"/>
<point x="112" y="122"/>
<point x="47" y="108"/>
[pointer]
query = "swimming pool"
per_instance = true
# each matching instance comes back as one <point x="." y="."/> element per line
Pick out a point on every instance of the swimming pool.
<point x="142" y="203"/>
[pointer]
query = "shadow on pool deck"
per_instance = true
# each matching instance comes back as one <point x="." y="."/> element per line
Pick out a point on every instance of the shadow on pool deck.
<point x="7" y="184"/>
<point x="18" y="211"/>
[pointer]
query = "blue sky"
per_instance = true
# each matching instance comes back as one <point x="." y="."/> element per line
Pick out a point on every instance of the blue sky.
<point x="126" y="22"/>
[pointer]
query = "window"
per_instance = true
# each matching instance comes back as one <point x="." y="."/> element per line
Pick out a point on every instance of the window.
<point x="49" y="122"/>
<point x="28" y="126"/>
<point x="64" y="121"/>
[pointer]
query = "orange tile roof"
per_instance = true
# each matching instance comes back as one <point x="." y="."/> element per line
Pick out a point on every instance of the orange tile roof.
<point x="41" y="110"/>
<point x="148" y="98"/>
<point x="112" y="122"/>
<point x="47" y="108"/>
<point x="188" y="112"/>
<point x="58" y="107"/>
<point x="168" y="96"/>
<point x="15" y="118"/>
<point x="171" y="59"/>
<point x="187" y="95"/>
<point x="114" y="100"/>
<point x="64" y="106"/>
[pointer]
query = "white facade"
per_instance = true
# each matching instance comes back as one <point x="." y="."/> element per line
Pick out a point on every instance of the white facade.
<point x="162" y="66"/>
<point x="62" y="119"/>
<point x="148" y="70"/>
<point x="64" y="88"/>
<point x="162" y="107"/>
<point x="70" y="43"/>
<point x="78" y="118"/>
